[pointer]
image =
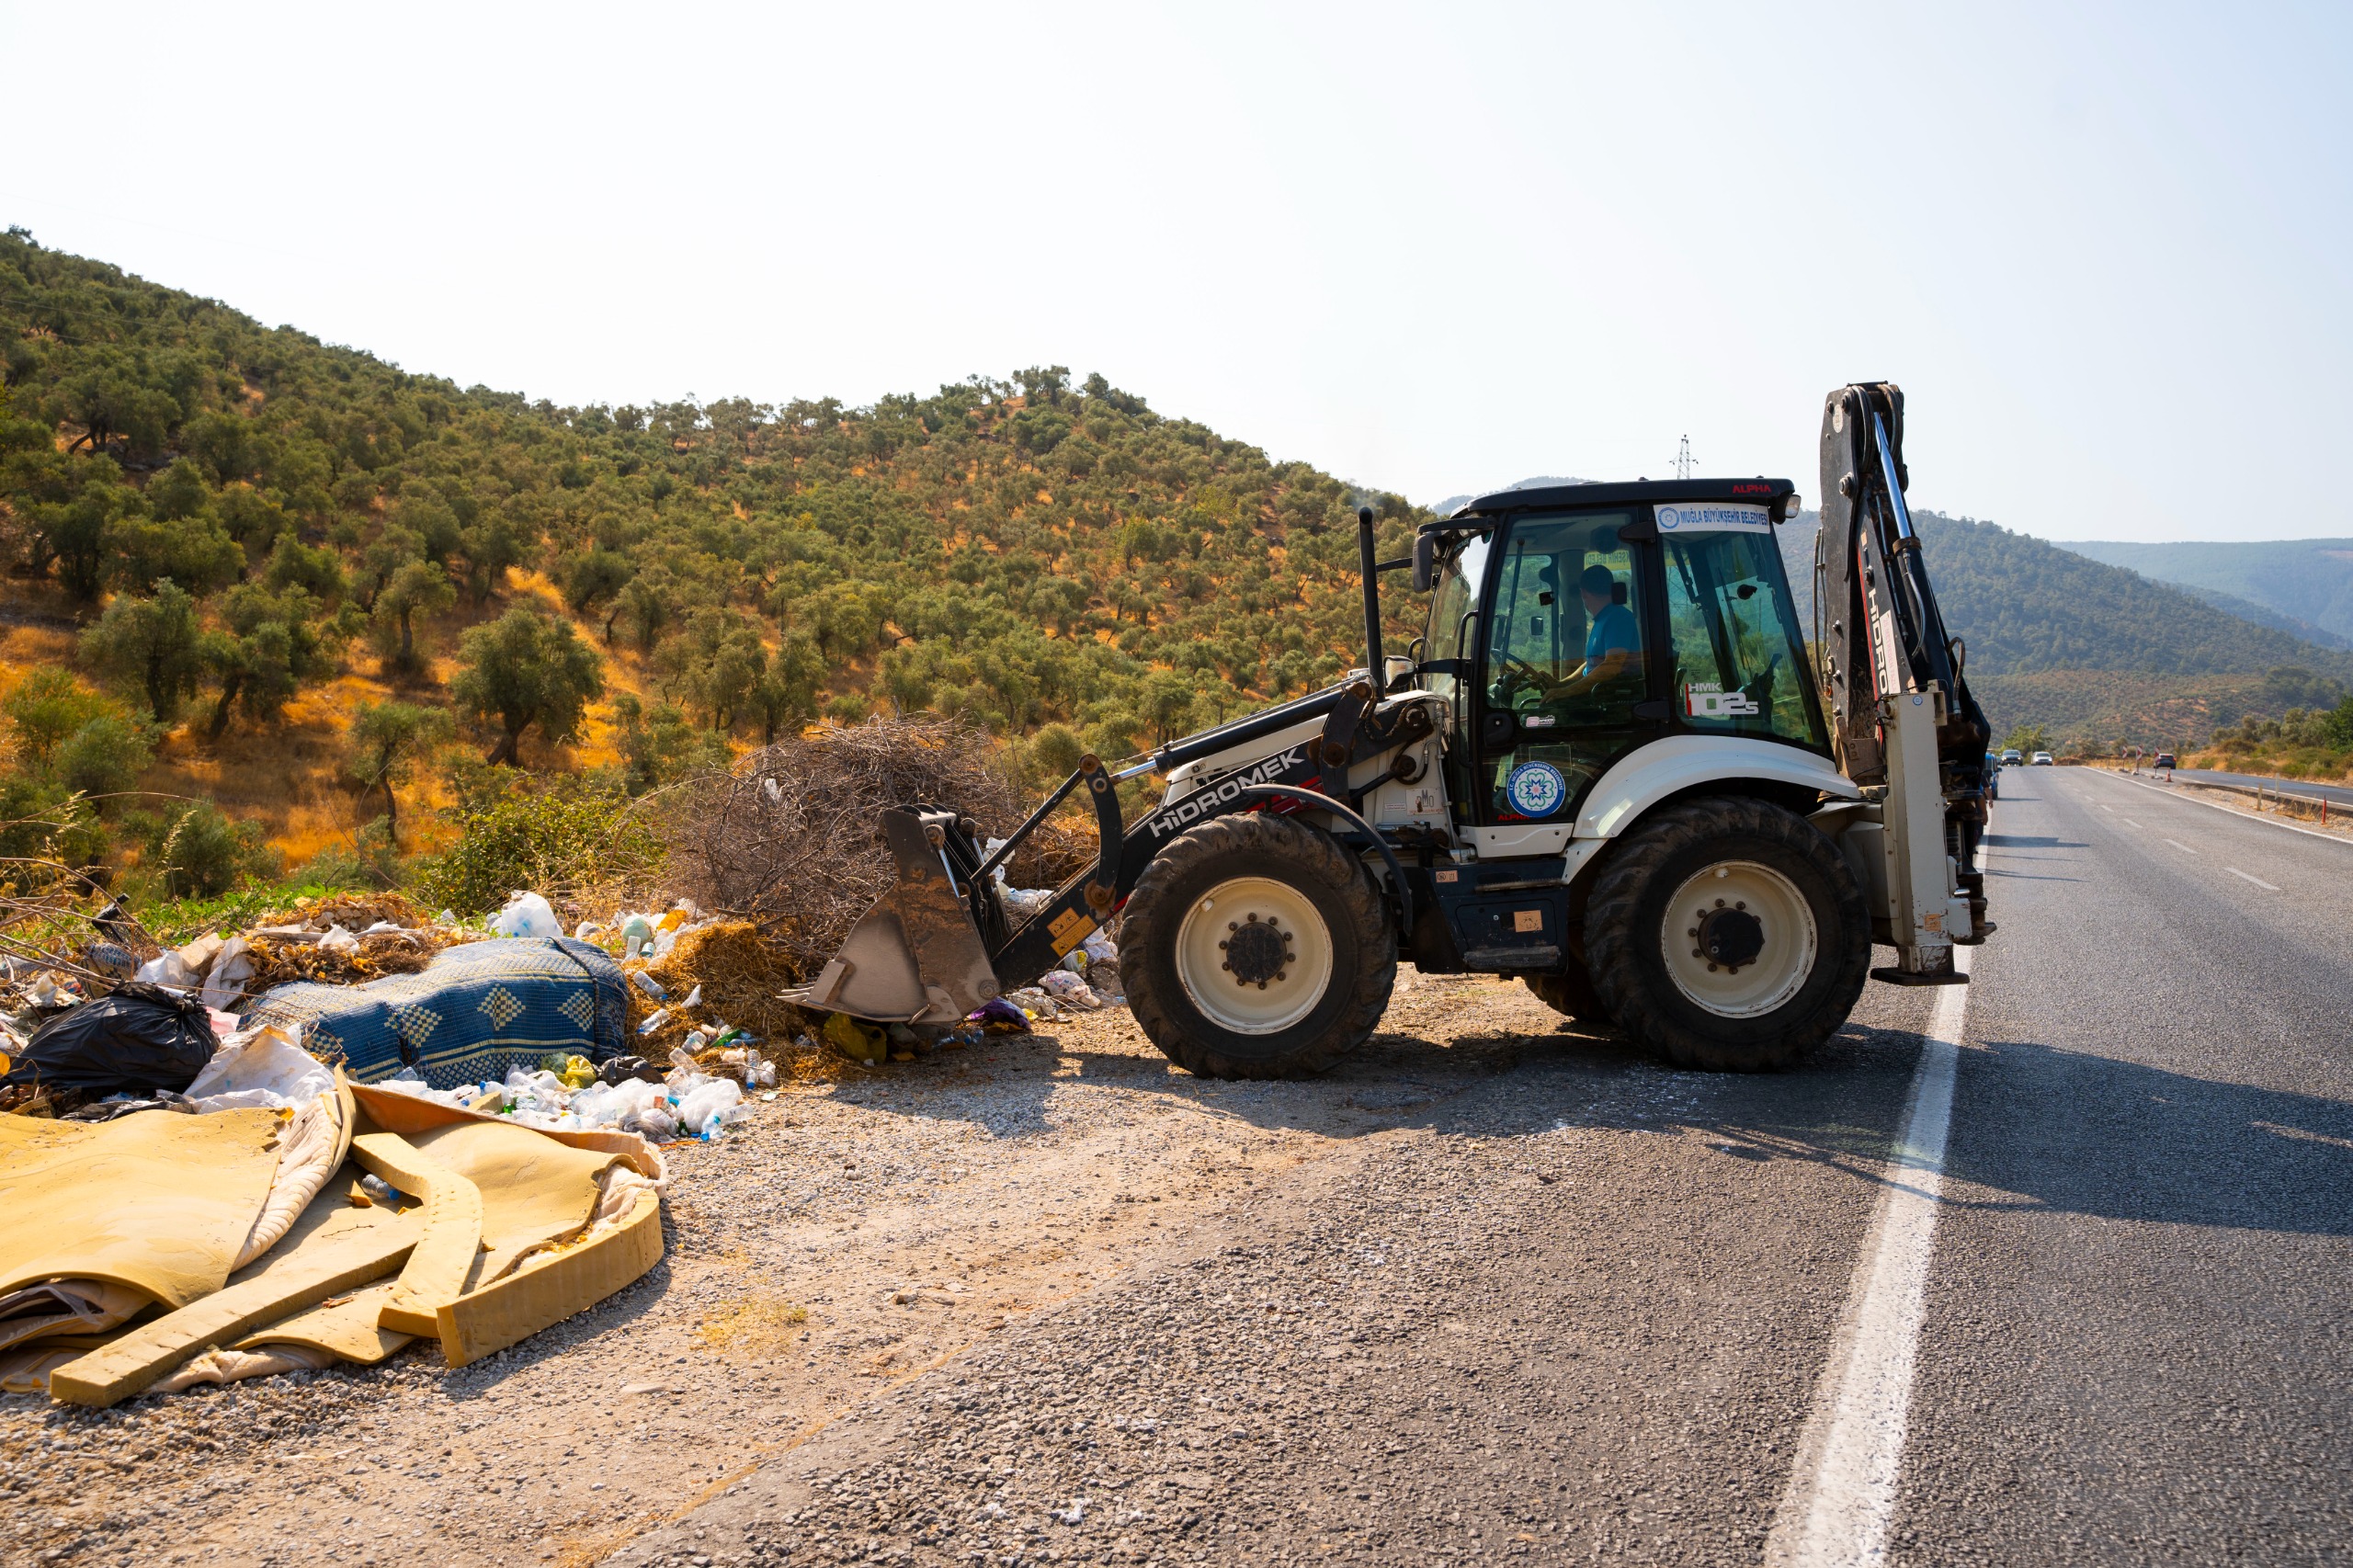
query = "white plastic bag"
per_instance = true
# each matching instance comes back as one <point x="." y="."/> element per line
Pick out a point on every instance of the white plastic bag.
<point x="261" y="1067"/>
<point x="170" y="970"/>
<point x="338" y="941"/>
<point x="527" y="915"/>
<point x="224" y="986"/>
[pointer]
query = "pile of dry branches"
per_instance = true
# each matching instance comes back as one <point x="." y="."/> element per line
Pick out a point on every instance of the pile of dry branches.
<point x="789" y="839"/>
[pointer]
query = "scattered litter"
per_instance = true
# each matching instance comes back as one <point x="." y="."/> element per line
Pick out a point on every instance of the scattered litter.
<point x="527" y="915"/>
<point x="998" y="1016"/>
<point x="141" y="1038"/>
<point x="259" y="1068"/>
<point x="854" y="1039"/>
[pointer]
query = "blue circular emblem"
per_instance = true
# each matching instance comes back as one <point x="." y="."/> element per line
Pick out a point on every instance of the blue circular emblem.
<point x="1536" y="788"/>
<point x="1669" y="518"/>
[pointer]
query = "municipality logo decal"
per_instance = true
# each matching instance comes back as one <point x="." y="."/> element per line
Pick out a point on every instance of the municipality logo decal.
<point x="1536" y="788"/>
<point x="1715" y="517"/>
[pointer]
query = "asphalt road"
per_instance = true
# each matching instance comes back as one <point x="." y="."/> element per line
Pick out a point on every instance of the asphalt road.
<point x="1590" y="1309"/>
<point x="2337" y="794"/>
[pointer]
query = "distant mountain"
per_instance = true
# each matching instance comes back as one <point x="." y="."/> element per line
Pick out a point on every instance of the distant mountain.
<point x="2264" y="615"/>
<point x="2095" y="652"/>
<point x="2307" y="580"/>
<point x="1446" y="507"/>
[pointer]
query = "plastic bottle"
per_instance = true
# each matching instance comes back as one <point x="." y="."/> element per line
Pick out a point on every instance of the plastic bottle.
<point x="705" y="1110"/>
<point x="652" y="987"/>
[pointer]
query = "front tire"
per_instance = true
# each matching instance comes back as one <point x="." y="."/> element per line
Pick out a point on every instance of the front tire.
<point x="1256" y="946"/>
<point x="1728" y="934"/>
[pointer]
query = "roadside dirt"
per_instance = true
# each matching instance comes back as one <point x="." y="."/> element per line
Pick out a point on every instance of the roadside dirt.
<point x="845" y="1239"/>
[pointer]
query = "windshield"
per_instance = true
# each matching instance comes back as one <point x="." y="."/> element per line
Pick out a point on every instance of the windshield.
<point x="1740" y="665"/>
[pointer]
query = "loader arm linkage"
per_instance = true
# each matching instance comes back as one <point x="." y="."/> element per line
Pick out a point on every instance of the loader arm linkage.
<point x="938" y="945"/>
<point x="1901" y="712"/>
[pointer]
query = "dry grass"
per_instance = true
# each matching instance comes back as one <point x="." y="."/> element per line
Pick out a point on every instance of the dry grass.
<point x="765" y="1325"/>
<point x="740" y="972"/>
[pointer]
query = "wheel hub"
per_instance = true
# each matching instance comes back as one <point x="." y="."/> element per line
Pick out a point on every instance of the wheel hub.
<point x="1739" y="938"/>
<point x="1730" y="937"/>
<point x="1255" y="951"/>
<point x="1255" y="955"/>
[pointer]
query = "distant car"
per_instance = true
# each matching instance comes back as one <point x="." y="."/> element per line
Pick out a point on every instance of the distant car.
<point x="2040" y="759"/>
<point x="2165" y="760"/>
<point x="2012" y="757"/>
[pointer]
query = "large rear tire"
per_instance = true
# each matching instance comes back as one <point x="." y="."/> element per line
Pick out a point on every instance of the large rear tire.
<point x="1727" y="934"/>
<point x="1256" y="946"/>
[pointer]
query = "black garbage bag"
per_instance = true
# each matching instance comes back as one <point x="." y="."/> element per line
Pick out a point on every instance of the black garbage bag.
<point x="139" y="1039"/>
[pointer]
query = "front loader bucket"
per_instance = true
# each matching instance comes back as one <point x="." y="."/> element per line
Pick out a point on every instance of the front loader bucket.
<point x="916" y="957"/>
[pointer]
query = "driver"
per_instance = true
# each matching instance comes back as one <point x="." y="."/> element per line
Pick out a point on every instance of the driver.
<point x="1611" y="640"/>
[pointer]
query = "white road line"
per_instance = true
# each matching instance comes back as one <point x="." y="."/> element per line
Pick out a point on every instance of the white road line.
<point x="2130" y="822"/>
<point x="2177" y="843"/>
<point x="2109" y="809"/>
<point x="2258" y="881"/>
<point x="1841" y="1495"/>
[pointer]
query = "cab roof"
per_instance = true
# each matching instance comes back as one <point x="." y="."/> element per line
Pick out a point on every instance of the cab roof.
<point x="1550" y="497"/>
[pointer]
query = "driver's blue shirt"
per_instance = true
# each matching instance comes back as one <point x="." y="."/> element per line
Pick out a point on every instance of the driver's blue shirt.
<point x="1612" y="631"/>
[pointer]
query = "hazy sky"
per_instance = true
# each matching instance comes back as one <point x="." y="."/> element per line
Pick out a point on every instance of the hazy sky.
<point x="1439" y="248"/>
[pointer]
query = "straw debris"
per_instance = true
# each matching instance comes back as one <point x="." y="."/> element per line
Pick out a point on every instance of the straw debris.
<point x="789" y="840"/>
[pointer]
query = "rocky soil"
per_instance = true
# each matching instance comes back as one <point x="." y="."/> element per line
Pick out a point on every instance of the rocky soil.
<point x="1496" y="1286"/>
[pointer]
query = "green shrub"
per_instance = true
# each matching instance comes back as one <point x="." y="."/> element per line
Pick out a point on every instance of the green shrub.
<point x="366" y="864"/>
<point x="549" y="840"/>
<point x="40" y="821"/>
<point x="195" y="851"/>
<point x="46" y="708"/>
<point x="105" y="757"/>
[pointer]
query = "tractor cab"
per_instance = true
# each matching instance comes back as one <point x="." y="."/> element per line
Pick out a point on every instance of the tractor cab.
<point x="1572" y="624"/>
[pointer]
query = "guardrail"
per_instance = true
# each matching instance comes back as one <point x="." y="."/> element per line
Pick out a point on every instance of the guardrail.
<point x="2311" y="808"/>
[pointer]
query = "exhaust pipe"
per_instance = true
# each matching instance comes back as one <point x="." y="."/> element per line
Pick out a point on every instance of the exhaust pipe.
<point x="1372" y="659"/>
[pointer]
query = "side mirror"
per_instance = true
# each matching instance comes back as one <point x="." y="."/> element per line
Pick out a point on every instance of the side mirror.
<point x="1425" y="561"/>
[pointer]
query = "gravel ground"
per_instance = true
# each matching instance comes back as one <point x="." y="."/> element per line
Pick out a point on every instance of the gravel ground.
<point x="844" y="1241"/>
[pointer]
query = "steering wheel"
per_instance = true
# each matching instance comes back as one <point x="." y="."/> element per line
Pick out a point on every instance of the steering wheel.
<point x="1518" y="676"/>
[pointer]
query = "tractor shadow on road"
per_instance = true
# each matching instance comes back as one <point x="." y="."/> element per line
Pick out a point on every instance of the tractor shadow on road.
<point x="1836" y="1107"/>
<point x="2123" y="1141"/>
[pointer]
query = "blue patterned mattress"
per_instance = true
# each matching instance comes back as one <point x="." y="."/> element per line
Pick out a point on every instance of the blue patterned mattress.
<point x="471" y="1014"/>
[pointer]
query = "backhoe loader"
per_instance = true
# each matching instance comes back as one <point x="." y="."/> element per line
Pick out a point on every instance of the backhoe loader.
<point x="1616" y="767"/>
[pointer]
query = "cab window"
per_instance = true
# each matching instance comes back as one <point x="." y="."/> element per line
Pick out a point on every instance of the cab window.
<point x="1564" y="664"/>
<point x="1739" y="653"/>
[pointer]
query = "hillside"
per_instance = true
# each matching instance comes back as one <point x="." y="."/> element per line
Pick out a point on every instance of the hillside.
<point x="311" y="531"/>
<point x="2304" y="580"/>
<point x="2091" y="652"/>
